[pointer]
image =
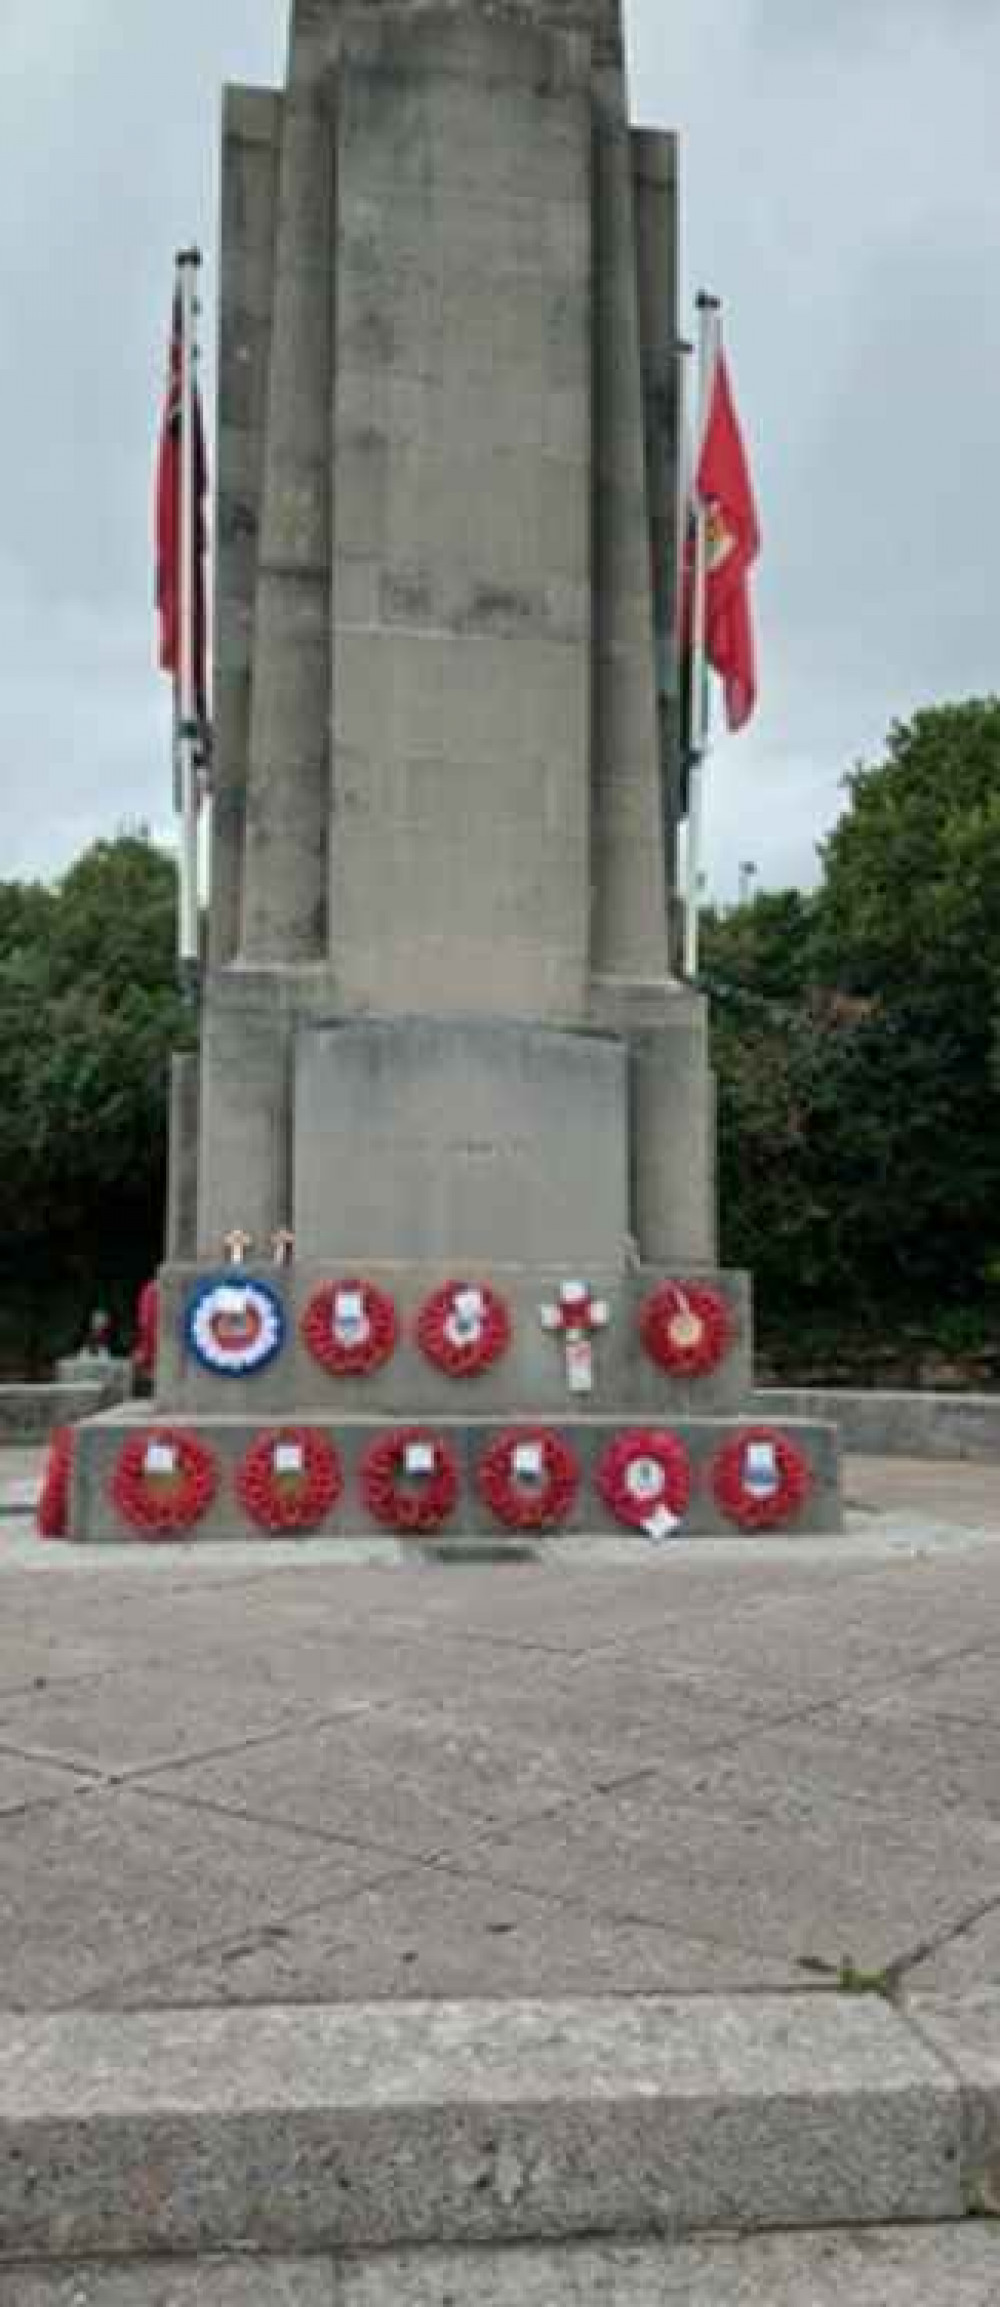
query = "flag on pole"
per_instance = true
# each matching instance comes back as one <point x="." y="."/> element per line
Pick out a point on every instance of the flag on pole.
<point x="169" y="526"/>
<point x="723" y="493"/>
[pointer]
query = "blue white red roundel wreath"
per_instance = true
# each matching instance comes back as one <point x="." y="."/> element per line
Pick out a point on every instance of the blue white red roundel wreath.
<point x="235" y="1326"/>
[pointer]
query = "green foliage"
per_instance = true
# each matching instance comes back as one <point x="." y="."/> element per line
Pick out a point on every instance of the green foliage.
<point x="88" y="1017"/>
<point x="856" y="1042"/>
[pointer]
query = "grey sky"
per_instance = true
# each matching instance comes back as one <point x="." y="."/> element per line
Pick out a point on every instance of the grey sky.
<point x="841" y="192"/>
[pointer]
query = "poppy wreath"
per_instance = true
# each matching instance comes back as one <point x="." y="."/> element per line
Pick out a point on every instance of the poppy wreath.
<point x="409" y="1502"/>
<point x="349" y="1349"/>
<point x="280" y="1499"/>
<point x="158" y="1505"/>
<point x="641" y="1474"/>
<point x="686" y="1329"/>
<point x="463" y="1329"/>
<point x="52" y="1519"/>
<point x="740" y="1502"/>
<point x="524" y="1502"/>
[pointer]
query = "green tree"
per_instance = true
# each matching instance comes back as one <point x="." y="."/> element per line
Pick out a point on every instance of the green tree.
<point x="88" y="1017"/>
<point x="859" y="1084"/>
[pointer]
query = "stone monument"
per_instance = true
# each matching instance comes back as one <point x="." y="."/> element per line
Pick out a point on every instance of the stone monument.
<point x="442" y="1176"/>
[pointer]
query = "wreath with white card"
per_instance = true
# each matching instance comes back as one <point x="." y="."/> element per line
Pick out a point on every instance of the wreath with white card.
<point x="645" y="1481"/>
<point x="529" y="1478"/>
<point x="164" y="1482"/>
<point x="464" y="1328"/>
<point x="409" y="1481"/>
<point x="289" y="1480"/>
<point x="350" y="1328"/>
<point x="760" y="1480"/>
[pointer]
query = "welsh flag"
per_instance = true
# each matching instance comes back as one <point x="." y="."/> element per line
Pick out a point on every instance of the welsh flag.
<point x="724" y="492"/>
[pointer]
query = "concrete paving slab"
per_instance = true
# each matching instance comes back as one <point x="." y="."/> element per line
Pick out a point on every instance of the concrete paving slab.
<point x="466" y="1701"/>
<point x="25" y="1784"/>
<point x="949" y="2267"/>
<point x="965" y="1962"/>
<point x="378" y="2125"/>
<point x="843" y="1884"/>
<point x="241" y="2283"/>
<point x="959" y="1689"/>
<point x="112" y="1885"/>
<point x="956" y="1489"/>
<point x="443" y="1937"/>
<point x="142" y="1717"/>
<point x="884" y="1759"/>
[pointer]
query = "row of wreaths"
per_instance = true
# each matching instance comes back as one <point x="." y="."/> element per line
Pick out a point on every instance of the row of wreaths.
<point x="291" y="1479"/>
<point x="687" y="1330"/>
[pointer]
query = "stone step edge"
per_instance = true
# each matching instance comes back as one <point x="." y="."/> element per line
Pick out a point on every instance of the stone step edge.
<point x="947" y="2265"/>
<point x="371" y="2127"/>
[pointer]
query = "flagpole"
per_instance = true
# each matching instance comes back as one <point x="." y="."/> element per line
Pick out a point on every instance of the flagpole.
<point x="708" y="338"/>
<point x="683" y="355"/>
<point x="188" y="729"/>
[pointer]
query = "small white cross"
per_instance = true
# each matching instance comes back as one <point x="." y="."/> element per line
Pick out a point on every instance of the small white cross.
<point x="238" y="1246"/>
<point x="577" y="1319"/>
<point x="283" y="1246"/>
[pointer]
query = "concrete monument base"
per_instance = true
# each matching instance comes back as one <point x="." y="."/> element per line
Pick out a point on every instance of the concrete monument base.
<point x="467" y="1437"/>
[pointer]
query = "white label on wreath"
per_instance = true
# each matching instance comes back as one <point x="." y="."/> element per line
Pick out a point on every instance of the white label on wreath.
<point x="469" y="1305"/>
<point x="529" y="1462"/>
<point x="289" y="1458"/>
<point x="661" y="1525"/>
<point x="644" y="1479"/>
<point x="350" y="1323"/>
<point x="760" y="1472"/>
<point x="420" y="1458"/>
<point x="160" y="1458"/>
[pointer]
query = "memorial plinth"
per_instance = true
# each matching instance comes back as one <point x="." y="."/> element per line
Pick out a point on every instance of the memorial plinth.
<point x="442" y="1042"/>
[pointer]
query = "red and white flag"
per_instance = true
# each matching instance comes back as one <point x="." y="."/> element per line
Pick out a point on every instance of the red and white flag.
<point x="171" y="543"/>
<point x="723" y="494"/>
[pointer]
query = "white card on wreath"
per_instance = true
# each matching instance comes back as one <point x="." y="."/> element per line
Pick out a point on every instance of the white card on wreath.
<point x="160" y="1458"/>
<point x="761" y="1469"/>
<point x="349" y="1307"/>
<point x="420" y="1458"/>
<point x="661" y="1525"/>
<point x="528" y="1462"/>
<point x="469" y="1305"/>
<point x="289" y="1458"/>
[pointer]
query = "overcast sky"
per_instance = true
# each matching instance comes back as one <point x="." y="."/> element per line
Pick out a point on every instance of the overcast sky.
<point x="841" y="192"/>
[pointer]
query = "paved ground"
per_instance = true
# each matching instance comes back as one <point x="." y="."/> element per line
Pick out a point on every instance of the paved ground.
<point x="247" y="1775"/>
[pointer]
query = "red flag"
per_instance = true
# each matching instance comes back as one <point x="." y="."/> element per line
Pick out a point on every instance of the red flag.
<point x="169" y="542"/>
<point x="723" y="487"/>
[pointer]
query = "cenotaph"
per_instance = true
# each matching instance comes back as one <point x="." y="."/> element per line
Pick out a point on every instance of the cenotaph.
<point x="442" y="1244"/>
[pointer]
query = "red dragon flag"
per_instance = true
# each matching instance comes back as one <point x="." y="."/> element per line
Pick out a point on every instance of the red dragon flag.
<point x="169" y="526"/>
<point x="724" y="495"/>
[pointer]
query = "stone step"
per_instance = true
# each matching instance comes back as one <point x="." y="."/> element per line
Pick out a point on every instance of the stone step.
<point x="383" y="2127"/>
<point x="812" y="1504"/>
<point x="947" y="2266"/>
